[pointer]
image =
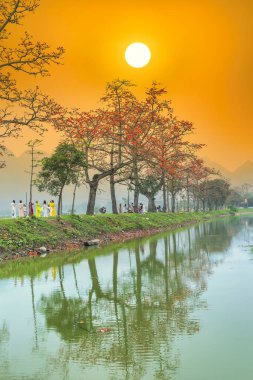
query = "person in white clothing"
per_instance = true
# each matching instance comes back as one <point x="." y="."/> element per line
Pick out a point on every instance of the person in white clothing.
<point x="45" y="209"/>
<point x="21" y="209"/>
<point x="13" y="209"/>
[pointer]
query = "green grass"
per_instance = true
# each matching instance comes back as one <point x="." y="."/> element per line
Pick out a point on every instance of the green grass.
<point x="243" y="210"/>
<point x="17" y="235"/>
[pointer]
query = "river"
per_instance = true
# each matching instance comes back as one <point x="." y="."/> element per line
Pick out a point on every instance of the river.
<point x="174" y="306"/>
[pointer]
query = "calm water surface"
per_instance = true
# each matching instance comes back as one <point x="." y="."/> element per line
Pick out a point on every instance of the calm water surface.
<point x="177" y="306"/>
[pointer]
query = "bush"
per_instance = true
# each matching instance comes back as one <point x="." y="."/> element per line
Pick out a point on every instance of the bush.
<point x="232" y="209"/>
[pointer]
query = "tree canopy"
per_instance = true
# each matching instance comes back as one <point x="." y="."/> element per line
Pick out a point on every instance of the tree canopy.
<point x="60" y="169"/>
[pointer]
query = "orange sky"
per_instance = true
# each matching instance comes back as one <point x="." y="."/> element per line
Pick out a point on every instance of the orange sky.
<point x="201" y="52"/>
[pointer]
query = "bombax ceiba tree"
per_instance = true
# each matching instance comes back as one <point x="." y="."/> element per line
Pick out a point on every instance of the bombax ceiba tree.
<point x="30" y="108"/>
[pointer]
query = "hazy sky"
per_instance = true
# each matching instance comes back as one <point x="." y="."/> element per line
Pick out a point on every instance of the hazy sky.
<point x="201" y="52"/>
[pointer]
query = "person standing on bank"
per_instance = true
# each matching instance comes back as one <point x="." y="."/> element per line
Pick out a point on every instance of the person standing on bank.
<point x="13" y="209"/>
<point x="52" y="208"/>
<point x="38" y="209"/>
<point x="21" y="209"/>
<point x="45" y="209"/>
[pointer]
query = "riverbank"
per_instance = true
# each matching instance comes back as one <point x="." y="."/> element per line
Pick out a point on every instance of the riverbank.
<point x="20" y="237"/>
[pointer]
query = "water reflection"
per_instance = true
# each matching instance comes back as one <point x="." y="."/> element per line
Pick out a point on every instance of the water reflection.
<point x="143" y="294"/>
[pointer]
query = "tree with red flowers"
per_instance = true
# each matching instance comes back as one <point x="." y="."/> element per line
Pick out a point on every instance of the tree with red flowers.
<point x="119" y="103"/>
<point x="90" y="132"/>
<point x="142" y="130"/>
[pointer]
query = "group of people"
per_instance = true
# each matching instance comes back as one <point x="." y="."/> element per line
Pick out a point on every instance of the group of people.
<point x="33" y="209"/>
<point x="140" y="209"/>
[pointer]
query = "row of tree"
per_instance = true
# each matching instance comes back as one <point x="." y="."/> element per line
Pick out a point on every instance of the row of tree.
<point x="139" y="143"/>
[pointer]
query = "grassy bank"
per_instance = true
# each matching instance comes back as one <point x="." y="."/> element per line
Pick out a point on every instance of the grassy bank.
<point x="17" y="236"/>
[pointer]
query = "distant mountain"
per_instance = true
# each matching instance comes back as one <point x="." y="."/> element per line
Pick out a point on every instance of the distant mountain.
<point x="223" y="171"/>
<point x="243" y="174"/>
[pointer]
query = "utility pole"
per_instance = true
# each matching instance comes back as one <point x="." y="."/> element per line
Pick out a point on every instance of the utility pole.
<point x="34" y="153"/>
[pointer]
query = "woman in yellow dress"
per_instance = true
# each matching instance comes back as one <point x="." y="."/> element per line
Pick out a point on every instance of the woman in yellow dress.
<point x="52" y="208"/>
<point x="38" y="209"/>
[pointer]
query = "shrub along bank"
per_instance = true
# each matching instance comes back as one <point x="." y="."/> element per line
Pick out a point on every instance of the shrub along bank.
<point x="20" y="236"/>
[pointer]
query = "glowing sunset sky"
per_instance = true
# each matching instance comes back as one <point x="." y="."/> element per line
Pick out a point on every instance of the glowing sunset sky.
<point x="201" y="52"/>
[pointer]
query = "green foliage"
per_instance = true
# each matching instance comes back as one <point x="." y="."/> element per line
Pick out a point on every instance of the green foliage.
<point x="215" y="192"/>
<point x="150" y="185"/>
<point x="60" y="169"/>
<point x="232" y="208"/>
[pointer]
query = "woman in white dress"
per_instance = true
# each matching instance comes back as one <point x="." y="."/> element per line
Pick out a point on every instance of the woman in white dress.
<point x="13" y="209"/>
<point x="21" y="209"/>
<point x="45" y="210"/>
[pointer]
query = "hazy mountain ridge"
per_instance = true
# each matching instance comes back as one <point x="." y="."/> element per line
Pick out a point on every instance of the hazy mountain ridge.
<point x="243" y="174"/>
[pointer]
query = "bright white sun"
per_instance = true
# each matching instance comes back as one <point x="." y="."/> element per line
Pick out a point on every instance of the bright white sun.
<point x="137" y="55"/>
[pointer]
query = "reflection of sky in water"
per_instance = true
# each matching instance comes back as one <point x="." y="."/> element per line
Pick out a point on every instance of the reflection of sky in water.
<point x="225" y="342"/>
<point x="202" y="332"/>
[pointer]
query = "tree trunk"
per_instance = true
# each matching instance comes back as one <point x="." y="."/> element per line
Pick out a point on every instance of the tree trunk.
<point x="74" y="197"/>
<point x="94" y="185"/>
<point x="151" y="204"/>
<point x="92" y="197"/>
<point x="168" y="200"/>
<point x="136" y="198"/>
<point x="113" y="195"/>
<point x="59" y="207"/>
<point x="197" y="205"/>
<point x="136" y="187"/>
<point x="165" y="206"/>
<point x="187" y="196"/>
<point x="173" y="202"/>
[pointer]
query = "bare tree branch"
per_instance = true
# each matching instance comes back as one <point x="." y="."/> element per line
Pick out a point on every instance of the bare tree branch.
<point x="31" y="108"/>
<point x="12" y="11"/>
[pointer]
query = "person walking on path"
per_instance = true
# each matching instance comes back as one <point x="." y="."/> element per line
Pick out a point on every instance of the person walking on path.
<point x="120" y="208"/>
<point x="13" y="209"/>
<point x="21" y="209"/>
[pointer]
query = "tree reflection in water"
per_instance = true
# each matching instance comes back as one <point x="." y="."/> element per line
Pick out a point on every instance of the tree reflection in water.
<point x="4" y="338"/>
<point x="146" y="307"/>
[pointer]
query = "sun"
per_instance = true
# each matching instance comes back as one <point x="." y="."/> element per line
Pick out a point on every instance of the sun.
<point x="137" y="55"/>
